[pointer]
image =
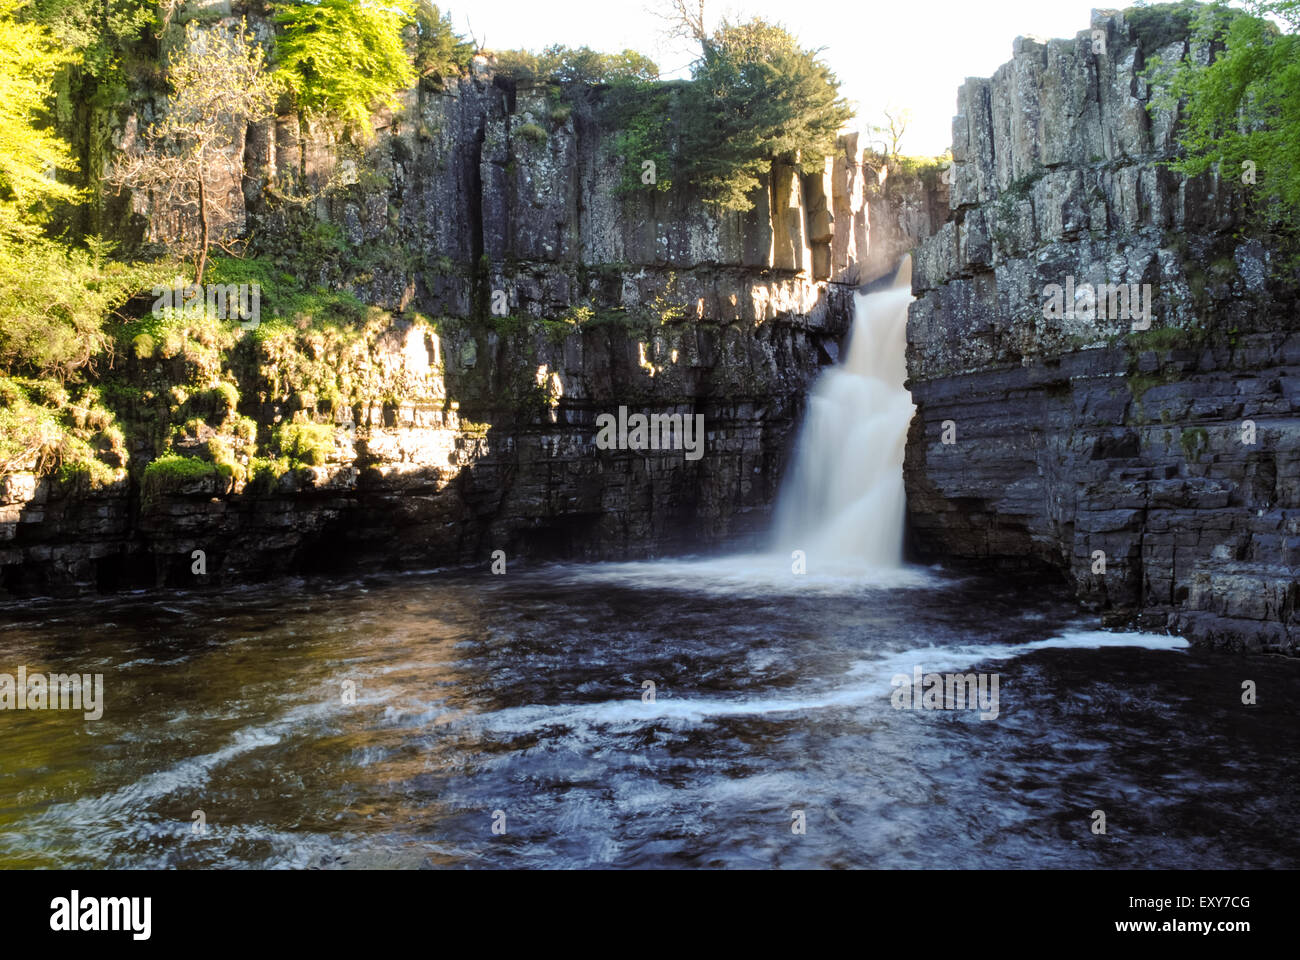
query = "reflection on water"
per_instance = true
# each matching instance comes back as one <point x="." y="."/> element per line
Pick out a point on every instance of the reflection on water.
<point x="523" y="694"/>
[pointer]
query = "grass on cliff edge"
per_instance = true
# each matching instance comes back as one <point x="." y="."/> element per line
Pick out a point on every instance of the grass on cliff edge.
<point x="88" y="371"/>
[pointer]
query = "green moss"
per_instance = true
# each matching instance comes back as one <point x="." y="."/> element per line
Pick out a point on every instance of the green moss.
<point x="170" y="472"/>
<point x="287" y="299"/>
<point x="567" y="323"/>
<point x="191" y="429"/>
<point x="1140" y="383"/>
<point x="243" y="428"/>
<point x="223" y="458"/>
<point x="264" y="474"/>
<point x="531" y="132"/>
<point x="1162" y="24"/>
<point x="1162" y="339"/>
<point x="1194" y="441"/>
<point x="143" y="347"/>
<point x="510" y="325"/>
<point x="329" y="400"/>
<point x="614" y="317"/>
<point x="309" y="444"/>
<point x="215" y="403"/>
<point x="45" y="428"/>
<point x="85" y="474"/>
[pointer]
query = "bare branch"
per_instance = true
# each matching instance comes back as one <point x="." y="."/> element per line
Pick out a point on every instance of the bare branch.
<point x="685" y="19"/>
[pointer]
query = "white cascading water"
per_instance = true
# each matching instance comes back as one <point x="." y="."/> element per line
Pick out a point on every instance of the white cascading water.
<point x="843" y="502"/>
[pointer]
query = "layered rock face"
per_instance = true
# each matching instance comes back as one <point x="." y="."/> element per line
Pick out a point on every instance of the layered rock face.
<point x="526" y="293"/>
<point x="1153" y="461"/>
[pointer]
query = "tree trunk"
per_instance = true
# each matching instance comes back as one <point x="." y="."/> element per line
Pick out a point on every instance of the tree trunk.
<point x="203" y="220"/>
<point x="302" y="153"/>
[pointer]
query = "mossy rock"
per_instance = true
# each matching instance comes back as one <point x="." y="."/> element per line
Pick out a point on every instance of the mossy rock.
<point x="305" y="444"/>
<point x="171" y="472"/>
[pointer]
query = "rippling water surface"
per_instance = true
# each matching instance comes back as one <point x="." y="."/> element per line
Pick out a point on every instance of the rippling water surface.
<point x="522" y="694"/>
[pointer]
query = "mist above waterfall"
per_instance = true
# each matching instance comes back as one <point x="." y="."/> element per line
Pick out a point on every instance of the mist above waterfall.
<point x="843" y="499"/>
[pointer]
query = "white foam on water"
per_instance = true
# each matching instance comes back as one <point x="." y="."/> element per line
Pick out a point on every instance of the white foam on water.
<point x="867" y="679"/>
<point x="746" y="575"/>
<point x="186" y="774"/>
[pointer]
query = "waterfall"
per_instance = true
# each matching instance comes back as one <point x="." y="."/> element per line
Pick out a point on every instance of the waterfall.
<point x="843" y="501"/>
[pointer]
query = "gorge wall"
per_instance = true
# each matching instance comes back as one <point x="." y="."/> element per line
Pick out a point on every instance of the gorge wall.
<point x="1157" y="470"/>
<point x="455" y="429"/>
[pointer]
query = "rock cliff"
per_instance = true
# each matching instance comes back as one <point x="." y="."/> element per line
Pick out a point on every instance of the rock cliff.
<point x="1151" y="461"/>
<point x="518" y="292"/>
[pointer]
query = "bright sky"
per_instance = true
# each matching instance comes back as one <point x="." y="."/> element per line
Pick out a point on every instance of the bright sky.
<point x="913" y="53"/>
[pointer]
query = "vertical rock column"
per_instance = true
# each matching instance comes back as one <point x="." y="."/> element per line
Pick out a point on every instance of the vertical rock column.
<point x="851" y="236"/>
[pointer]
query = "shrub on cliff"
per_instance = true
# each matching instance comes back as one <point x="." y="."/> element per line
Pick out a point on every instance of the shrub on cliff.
<point x="30" y="433"/>
<point x="1242" y="111"/>
<point x="171" y="471"/>
<point x="308" y="444"/>
<point x="55" y="302"/>
<point x="47" y="429"/>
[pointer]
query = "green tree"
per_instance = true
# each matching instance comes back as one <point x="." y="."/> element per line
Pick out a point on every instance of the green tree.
<point x="440" y="50"/>
<point x="756" y="96"/>
<point x="584" y="65"/>
<point x="105" y="38"/>
<point x="341" y="59"/>
<point x="29" y="150"/>
<point x="52" y="299"/>
<point x="1242" y="111"/>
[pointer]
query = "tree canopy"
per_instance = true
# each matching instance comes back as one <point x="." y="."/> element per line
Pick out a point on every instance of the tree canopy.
<point x="342" y="58"/>
<point x="29" y="149"/>
<point x="755" y="96"/>
<point x="576" y="65"/>
<point x="1241" y="112"/>
<point x="440" y="51"/>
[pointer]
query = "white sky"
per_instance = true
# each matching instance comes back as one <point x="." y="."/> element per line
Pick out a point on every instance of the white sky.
<point x="912" y="53"/>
